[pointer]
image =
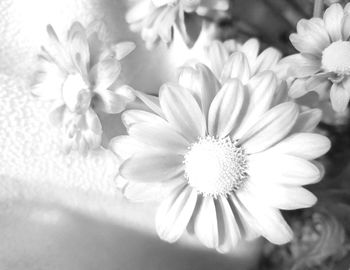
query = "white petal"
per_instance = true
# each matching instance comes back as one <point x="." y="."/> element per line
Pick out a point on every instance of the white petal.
<point x="78" y="43"/>
<point x="312" y="38"/>
<point x="123" y="49"/>
<point x="218" y="56"/>
<point x="302" y="65"/>
<point x="150" y="101"/>
<point x="57" y="114"/>
<point x="283" y="169"/>
<point x="307" y="121"/>
<point x="236" y="67"/>
<point x="229" y="231"/>
<point x="268" y="221"/>
<point x="282" y="196"/>
<point x="273" y="126"/>
<point x="339" y="97"/>
<point x="126" y="146"/>
<point x="188" y="79"/>
<point x="251" y="50"/>
<point x="131" y="117"/>
<point x="174" y="213"/>
<point x="226" y="108"/>
<point x="152" y="167"/>
<point x="160" y="136"/>
<point x="93" y="122"/>
<point x="208" y="86"/>
<point x="206" y="223"/>
<point x="262" y="88"/>
<point x="182" y="111"/>
<point x="105" y="73"/>
<point x="298" y="88"/>
<point x="304" y="145"/>
<point x="245" y="220"/>
<point x="346" y="26"/>
<point x="333" y="21"/>
<point x="142" y="192"/>
<point x="267" y="60"/>
<point x="108" y="101"/>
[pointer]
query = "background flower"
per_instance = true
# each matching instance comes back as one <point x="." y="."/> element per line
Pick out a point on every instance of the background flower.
<point x="156" y="19"/>
<point x="323" y="62"/>
<point x="77" y="75"/>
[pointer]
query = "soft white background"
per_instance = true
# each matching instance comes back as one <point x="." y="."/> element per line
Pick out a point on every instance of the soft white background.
<point x="64" y="212"/>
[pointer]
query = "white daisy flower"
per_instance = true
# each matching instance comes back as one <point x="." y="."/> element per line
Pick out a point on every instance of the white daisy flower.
<point x="323" y="64"/>
<point x="220" y="53"/>
<point x="76" y="74"/>
<point x="231" y="154"/>
<point x="156" y="19"/>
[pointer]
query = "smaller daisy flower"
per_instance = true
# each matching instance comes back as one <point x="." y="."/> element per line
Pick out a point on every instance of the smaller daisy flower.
<point x="156" y="19"/>
<point x="77" y="74"/>
<point x="323" y="64"/>
<point x="231" y="155"/>
<point x="221" y="53"/>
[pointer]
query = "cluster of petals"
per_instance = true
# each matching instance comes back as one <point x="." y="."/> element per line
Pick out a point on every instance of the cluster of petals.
<point x="156" y="19"/>
<point x="323" y="64"/>
<point x="220" y="54"/>
<point x="228" y="151"/>
<point x="76" y="74"/>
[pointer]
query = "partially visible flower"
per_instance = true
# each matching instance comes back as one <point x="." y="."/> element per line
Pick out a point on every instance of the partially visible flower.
<point x="231" y="155"/>
<point x="156" y="19"/>
<point x="323" y="64"/>
<point x="319" y="242"/>
<point x="77" y="74"/>
<point x="220" y="53"/>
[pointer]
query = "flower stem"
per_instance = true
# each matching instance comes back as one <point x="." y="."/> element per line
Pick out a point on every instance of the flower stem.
<point x="318" y="8"/>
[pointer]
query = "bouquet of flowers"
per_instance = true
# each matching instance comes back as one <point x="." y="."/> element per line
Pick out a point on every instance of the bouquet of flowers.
<point x="250" y="140"/>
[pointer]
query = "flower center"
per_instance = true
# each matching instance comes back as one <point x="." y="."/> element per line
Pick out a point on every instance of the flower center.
<point x="216" y="167"/>
<point x="336" y="57"/>
<point x="76" y="93"/>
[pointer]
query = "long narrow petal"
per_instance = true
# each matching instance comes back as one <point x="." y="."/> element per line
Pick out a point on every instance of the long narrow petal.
<point x="273" y="126"/>
<point x="126" y="146"/>
<point x="333" y="21"/>
<point x="160" y="136"/>
<point x="251" y="50"/>
<point x="108" y="101"/>
<point x="131" y="117"/>
<point x="307" y="121"/>
<point x="218" y="56"/>
<point x="182" y="111"/>
<point x="151" y="102"/>
<point x="123" y="49"/>
<point x="236" y="67"/>
<point x="267" y="60"/>
<point x="174" y="213"/>
<point x="105" y="73"/>
<point x="229" y="231"/>
<point x="346" y="26"/>
<point x="208" y="86"/>
<point x="93" y="121"/>
<point x="268" y="221"/>
<point x="283" y="169"/>
<point x="262" y="89"/>
<point x="304" y="145"/>
<point x="152" y="167"/>
<point x="302" y="65"/>
<point x="282" y="196"/>
<point x="226" y="108"/>
<point x="206" y="223"/>
<point x="78" y="43"/>
<point x="339" y="97"/>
